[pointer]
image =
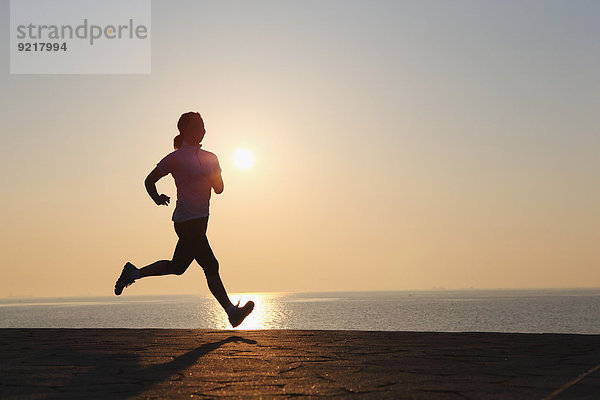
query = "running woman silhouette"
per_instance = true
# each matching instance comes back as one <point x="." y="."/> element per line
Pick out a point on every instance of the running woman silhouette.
<point x="196" y="173"/>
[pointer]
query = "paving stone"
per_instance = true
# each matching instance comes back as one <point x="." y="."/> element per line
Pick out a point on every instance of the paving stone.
<point x="180" y="363"/>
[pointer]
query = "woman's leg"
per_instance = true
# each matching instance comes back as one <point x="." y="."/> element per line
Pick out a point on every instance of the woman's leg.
<point x="161" y="267"/>
<point x="182" y="258"/>
<point x="218" y="290"/>
<point x="207" y="260"/>
<point x="236" y="314"/>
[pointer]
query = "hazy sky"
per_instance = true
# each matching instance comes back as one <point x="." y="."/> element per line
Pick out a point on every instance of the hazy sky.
<point x="398" y="145"/>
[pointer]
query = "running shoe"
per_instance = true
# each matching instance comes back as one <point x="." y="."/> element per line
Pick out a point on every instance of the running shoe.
<point x="125" y="279"/>
<point x="240" y="313"/>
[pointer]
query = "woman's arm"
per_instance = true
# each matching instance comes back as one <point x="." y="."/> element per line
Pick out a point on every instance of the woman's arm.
<point x="150" y="183"/>
<point x="216" y="180"/>
<point x="217" y="183"/>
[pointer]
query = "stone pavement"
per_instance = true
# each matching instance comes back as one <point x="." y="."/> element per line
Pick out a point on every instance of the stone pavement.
<point x="171" y="363"/>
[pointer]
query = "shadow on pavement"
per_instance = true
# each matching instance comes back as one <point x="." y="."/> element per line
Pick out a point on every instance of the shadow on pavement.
<point x="120" y="374"/>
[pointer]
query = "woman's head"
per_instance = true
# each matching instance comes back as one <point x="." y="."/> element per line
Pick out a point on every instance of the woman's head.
<point x="191" y="129"/>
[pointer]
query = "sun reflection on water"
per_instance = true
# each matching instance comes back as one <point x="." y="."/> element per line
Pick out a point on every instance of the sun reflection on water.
<point x="297" y="311"/>
<point x="268" y="312"/>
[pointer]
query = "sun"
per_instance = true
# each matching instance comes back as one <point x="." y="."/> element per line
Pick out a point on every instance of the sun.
<point x="243" y="158"/>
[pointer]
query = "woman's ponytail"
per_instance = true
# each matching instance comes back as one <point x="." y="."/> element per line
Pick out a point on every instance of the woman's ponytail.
<point x="177" y="141"/>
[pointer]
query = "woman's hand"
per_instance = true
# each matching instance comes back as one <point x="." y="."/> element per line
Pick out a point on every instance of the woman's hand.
<point x="162" y="200"/>
<point x="150" y="183"/>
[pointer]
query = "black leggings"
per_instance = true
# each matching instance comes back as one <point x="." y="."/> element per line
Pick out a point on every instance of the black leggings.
<point x="193" y="245"/>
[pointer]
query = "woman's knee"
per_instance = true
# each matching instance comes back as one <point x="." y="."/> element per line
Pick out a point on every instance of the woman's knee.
<point x="178" y="268"/>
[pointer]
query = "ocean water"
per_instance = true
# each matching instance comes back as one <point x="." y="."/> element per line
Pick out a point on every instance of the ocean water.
<point x="531" y="311"/>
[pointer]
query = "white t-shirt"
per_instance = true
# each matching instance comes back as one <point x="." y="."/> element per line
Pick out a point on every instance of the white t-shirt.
<point x="192" y="168"/>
